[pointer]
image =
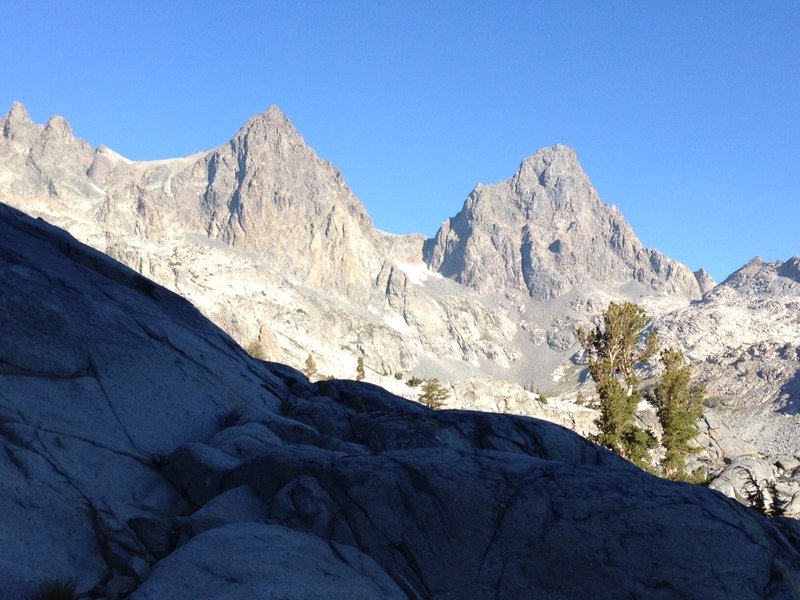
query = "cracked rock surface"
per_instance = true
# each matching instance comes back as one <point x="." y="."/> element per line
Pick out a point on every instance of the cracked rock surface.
<point x="145" y="454"/>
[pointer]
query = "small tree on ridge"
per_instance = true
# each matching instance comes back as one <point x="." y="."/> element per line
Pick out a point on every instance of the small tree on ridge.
<point x="360" y="375"/>
<point x="615" y="348"/>
<point x="679" y="406"/>
<point x="433" y="394"/>
<point x="311" y="367"/>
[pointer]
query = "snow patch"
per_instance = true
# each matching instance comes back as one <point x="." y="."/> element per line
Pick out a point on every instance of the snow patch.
<point x="106" y="151"/>
<point x="98" y="189"/>
<point x="180" y="160"/>
<point x="418" y="273"/>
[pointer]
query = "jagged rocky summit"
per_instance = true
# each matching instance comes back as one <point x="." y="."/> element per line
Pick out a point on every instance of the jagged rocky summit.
<point x="265" y="191"/>
<point x="145" y="454"/>
<point x="544" y="231"/>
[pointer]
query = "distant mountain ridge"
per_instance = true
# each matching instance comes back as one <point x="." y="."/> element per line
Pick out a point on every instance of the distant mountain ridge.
<point x="267" y="191"/>
<point x="268" y="241"/>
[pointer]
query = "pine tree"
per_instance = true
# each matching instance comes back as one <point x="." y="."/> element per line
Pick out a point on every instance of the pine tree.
<point x="679" y="406"/>
<point x="615" y="348"/>
<point x="311" y="367"/>
<point x="360" y="375"/>
<point x="433" y="394"/>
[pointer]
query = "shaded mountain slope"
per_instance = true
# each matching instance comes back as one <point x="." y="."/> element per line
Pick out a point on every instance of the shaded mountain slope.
<point x="144" y="453"/>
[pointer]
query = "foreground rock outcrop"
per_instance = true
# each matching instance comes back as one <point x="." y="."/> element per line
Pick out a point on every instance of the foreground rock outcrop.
<point x="145" y="454"/>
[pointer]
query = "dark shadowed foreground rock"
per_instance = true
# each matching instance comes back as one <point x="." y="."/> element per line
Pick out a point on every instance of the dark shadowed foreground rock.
<point x="143" y="453"/>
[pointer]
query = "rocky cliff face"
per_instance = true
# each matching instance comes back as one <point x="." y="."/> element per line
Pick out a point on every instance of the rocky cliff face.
<point x="145" y="454"/>
<point x="264" y="192"/>
<point x="263" y="235"/>
<point x="546" y="230"/>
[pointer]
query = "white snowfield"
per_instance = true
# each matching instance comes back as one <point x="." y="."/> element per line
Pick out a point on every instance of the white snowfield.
<point x="418" y="273"/>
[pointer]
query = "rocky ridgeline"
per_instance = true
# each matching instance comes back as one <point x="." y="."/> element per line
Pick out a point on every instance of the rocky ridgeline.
<point x="147" y="456"/>
<point x="266" y="239"/>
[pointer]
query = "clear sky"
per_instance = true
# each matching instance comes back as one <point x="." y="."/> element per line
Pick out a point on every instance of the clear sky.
<point x="684" y="114"/>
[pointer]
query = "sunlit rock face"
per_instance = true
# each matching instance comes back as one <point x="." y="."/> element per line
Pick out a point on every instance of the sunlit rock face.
<point x="145" y="454"/>
<point x="546" y="230"/>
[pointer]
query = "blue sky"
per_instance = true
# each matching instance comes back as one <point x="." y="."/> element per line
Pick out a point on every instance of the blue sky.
<point x="684" y="114"/>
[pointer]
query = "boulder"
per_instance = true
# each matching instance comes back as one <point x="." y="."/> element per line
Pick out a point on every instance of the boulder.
<point x="148" y="456"/>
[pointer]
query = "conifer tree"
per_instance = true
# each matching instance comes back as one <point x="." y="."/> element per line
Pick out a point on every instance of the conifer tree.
<point x="433" y="394"/>
<point x="360" y="375"/>
<point x="679" y="406"/>
<point x="311" y="367"/>
<point x="615" y="348"/>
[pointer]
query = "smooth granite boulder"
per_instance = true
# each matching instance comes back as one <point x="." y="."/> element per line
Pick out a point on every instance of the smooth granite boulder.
<point x="146" y="455"/>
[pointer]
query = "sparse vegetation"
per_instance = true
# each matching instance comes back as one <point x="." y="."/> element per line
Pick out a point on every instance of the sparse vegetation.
<point x="778" y="508"/>
<point x="311" y="367"/>
<point x="769" y="504"/>
<point x="433" y="394"/>
<point x="615" y="348"/>
<point x="256" y="350"/>
<point x="580" y="400"/>
<point x="57" y="589"/>
<point x="542" y="398"/>
<point x="414" y="382"/>
<point x="398" y="375"/>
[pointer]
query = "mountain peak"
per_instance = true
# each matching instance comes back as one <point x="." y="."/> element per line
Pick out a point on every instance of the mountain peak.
<point x="274" y="112"/>
<point x="17" y="120"/>
<point x="269" y="129"/>
<point x="18" y="112"/>
<point x="550" y="154"/>
<point x="547" y="165"/>
<point x="791" y="269"/>
<point x="58" y="126"/>
<point x="546" y="230"/>
<point x="705" y="280"/>
<point x="273" y="118"/>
